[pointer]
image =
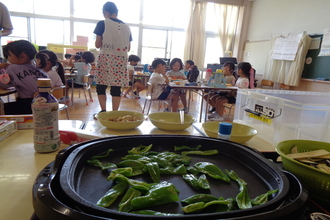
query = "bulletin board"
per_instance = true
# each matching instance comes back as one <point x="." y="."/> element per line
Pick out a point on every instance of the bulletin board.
<point x="316" y="66"/>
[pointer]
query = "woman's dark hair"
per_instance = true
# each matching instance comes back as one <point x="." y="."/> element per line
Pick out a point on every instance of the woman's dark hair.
<point x="18" y="47"/>
<point x="174" y="60"/>
<point x="110" y="7"/>
<point x="134" y="58"/>
<point x="48" y="55"/>
<point x="190" y="62"/>
<point x="156" y="62"/>
<point x="245" y="67"/>
<point x="88" y="56"/>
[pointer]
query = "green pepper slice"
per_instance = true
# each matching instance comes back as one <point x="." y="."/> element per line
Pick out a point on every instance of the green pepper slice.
<point x="259" y="200"/>
<point x="140" y="149"/>
<point x="187" y="148"/>
<point x="153" y="170"/>
<point x="125" y="203"/>
<point x="199" y="198"/>
<point x="101" y="156"/>
<point x="97" y="163"/>
<point x="191" y="180"/>
<point x="171" y="170"/>
<point x="112" y="194"/>
<point x="203" y="183"/>
<point x="159" y="194"/>
<point x="199" y="152"/>
<point x="212" y="170"/>
<point x="243" y="200"/>
<point x="142" y="186"/>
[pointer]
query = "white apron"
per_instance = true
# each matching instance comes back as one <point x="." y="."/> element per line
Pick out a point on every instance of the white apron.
<point x="112" y="59"/>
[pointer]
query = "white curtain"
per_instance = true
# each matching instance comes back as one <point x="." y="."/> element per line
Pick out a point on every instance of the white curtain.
<point x="227" y="24"/>
<point x="195" y="38"/>
<point x="287" y="72"/>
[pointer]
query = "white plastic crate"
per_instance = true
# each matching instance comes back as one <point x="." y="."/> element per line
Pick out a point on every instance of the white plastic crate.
<point x="285" y="114"/>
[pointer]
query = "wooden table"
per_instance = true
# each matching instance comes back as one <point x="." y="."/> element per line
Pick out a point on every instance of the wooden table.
<point x="5" y="92"/>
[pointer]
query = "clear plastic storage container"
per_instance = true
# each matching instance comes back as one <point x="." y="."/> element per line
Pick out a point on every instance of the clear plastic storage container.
<point x="280" y="115"/>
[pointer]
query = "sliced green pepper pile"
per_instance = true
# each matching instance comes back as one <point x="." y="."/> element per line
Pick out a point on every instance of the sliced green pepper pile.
<point x="139" y="196"/>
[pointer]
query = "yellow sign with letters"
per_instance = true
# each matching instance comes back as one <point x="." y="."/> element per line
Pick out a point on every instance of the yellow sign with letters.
<point x="261" y="118"/>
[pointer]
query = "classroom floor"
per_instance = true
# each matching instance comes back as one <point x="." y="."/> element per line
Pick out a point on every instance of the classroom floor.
<point x="80" y="111"/>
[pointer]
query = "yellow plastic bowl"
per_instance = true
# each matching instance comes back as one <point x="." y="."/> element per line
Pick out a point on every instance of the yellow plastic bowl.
<point x="170" y="121"/>
<point x="104" y="116"/>
<point x="240" y="133"/>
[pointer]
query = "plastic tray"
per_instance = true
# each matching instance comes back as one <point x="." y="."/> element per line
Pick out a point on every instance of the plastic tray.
<point x="317" y="180"/>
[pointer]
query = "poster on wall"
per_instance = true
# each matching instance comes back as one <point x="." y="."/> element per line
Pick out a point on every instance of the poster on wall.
<point x="325" y="46"/>
<point x="286" y="48"/>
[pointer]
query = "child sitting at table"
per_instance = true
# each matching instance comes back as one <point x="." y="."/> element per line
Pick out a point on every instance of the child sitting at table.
<point x="133" y="61"/>
<point x="193" y="71"/>
<point x="228" y="71"/>
<point x="176" y="66"/>
<point x="23" y="76"/>
<point x="159" y="82"/>
<point x="48" y="61"/>
<point x="83" y="67"/>
<point x="243" y="81"/>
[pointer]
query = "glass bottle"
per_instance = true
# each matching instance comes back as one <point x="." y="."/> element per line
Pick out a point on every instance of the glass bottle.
<point x="224" y="131"/>
<point x="45" y="118"/>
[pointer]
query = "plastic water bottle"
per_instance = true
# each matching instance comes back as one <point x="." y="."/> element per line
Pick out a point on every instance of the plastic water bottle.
<point x="45" y="119"/>
<point x="224" y="131"/>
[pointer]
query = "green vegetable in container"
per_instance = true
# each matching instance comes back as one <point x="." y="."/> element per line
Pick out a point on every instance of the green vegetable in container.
<point x="243" y="200"/>
<point x="97" y="163"/>
<point x="203" y="183"/>
<point x="159" y="194"/>
<point x="102" y="156"/>
<point x="112" y="194"/>
<point x="199" y="198"/>
<point x="125" y="203"/>
<point x="187" y="148"/>
<point x="197" y="207"/>
<point x="199" y="152"/>
<point x="153" y="170"/>
<point x="138" y="185"/>
<point x="140" y="149"/>
<point x="212" y="170"/>
<point x="259" y="200"/>
<point x="191" y="180"/>
<point x="171" y="170"/>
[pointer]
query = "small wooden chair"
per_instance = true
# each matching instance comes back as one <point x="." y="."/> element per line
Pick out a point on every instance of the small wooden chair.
<point x="267" y="83"/>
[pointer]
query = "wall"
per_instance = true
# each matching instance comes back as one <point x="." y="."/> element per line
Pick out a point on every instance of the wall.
<point x="272" y="17"/>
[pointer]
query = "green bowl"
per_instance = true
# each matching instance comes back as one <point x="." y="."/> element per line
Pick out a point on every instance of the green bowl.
<point x="318" y="181"/>
<point x="104" y="116"/>
<point x="170" y="121"/>
<point x="240" y="133"/>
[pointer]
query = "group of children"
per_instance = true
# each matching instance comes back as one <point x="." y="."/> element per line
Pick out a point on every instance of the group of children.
<point x="23" y="74"/>
<point x="160" y="79"/>
<point x="218" y="99"/>
<point x="26" y="65"/>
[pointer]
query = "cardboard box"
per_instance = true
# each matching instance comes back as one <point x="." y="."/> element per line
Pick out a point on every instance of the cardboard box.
<point x="281" y="115"/>
<point x="23" y="121"/>
<point x="7" y="128"/>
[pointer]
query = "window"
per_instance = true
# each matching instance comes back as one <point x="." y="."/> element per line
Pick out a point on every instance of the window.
<point x="19" y="5"/>
<point x="54" y="8"/>
<point x="213" y="50"/>
<point x="170" y="13"/>
<point x="59" y="31"/>
<point x="129" y="11"/>
<point x="85" y="29"/>
<point x="154" y="44"/>
<point x="88" y="9"/>
<point x="135" y="42"/>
